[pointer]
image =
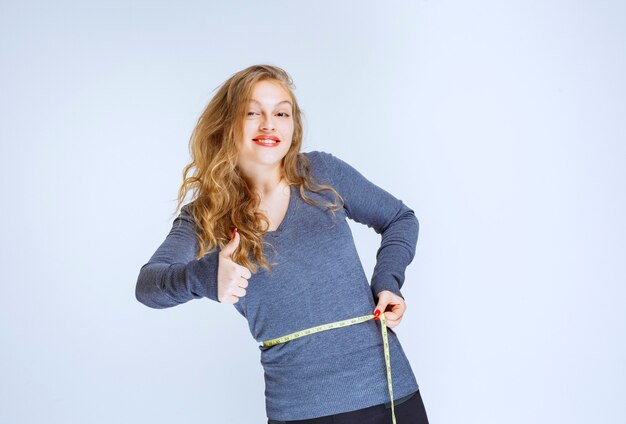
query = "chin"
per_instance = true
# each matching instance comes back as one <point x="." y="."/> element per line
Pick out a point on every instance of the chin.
<point x="266" y="158"/>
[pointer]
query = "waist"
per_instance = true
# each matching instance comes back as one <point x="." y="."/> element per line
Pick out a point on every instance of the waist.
<point x="329" y="383"/>
<point x="360" y="340"/>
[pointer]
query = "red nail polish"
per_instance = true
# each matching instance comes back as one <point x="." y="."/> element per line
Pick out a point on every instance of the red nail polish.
<point x="376" y="313"/>
<point x="235" y="232"/>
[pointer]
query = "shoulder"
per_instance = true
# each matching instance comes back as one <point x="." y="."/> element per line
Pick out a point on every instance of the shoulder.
<point x="186" y="214"/>
<point x="318" y="156"/>
<point x="332" y="167"/>
<point x="324" y="164"/>
<point x="186" y="209"/>
<point x="317" y="161"/>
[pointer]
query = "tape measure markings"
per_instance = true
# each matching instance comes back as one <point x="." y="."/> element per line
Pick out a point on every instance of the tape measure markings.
<point x="344" y="323"/>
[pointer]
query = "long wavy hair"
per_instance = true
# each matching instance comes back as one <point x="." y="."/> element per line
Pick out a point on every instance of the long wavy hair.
<point x="222" y="199"/>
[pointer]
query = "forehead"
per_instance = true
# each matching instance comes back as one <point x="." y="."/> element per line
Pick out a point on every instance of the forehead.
<point x="269" y="103"/>
<point x="270" y="94"/>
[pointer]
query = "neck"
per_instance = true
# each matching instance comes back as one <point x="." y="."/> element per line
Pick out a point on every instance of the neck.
<point x="263" y="180"/>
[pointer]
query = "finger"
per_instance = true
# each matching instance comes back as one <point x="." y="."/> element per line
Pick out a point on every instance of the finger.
<point x="392" y="316"/>
<point x="398" y="299"/>
<point x="245" y="272"/>
<point x="230" y="247"/>
<point x="380" y="308"/>
<point x="392" y="324"/>
<point x="397" y="309"/>
<point x="243" y="282"/>
<point x="392" y="310"/>
<point x="231" y="299"/>
<point x="239" y="292"/>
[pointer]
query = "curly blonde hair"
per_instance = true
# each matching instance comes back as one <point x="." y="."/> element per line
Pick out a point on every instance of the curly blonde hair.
<point x="221" y="197"/>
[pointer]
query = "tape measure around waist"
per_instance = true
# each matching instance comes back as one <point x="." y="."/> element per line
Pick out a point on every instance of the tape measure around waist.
<point x="344" y="323"/>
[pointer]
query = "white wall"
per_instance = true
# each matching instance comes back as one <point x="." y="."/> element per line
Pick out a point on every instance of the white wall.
<point x="501" y="123"/>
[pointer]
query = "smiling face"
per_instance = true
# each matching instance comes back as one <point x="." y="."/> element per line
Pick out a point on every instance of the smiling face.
<point x="267" y="129"/>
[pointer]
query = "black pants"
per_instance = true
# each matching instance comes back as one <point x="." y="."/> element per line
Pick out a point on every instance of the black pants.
<point x="409" y="410"/>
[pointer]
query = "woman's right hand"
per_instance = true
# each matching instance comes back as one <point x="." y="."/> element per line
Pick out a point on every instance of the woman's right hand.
<point x="232" y="278"/>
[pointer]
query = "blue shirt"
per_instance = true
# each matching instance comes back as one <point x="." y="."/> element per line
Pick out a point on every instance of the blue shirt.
<point x="319" y="279"/>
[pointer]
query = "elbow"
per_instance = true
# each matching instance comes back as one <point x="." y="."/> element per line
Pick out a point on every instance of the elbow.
<point x="142" y="296"/>
<point x="417" y="227"/>
<point x="146" y="297"/>
<point x="411" y="222"/>
<point x="410" y="229"/>
<point x="148" y="293"/>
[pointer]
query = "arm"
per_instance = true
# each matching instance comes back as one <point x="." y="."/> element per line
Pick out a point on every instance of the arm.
<point x="369" y="204"/>
<point x="172" y="275"/>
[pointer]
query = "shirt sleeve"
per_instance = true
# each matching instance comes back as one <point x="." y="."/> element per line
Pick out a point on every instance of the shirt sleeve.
<point x="369" y="204"/>
<point x="172" y="275"/>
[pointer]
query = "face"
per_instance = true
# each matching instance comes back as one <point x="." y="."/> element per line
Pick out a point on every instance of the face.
<point x="268" y="127"/>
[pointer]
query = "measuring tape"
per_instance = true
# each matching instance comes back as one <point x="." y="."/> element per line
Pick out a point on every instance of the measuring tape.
<point x="345" y="323"/>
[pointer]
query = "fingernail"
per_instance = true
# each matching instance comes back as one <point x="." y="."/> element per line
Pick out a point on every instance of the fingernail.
<point x="235" y="232"/>
<point x="376" y="313"/>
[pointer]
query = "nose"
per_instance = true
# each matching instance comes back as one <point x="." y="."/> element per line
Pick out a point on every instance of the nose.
<point x="267" y="124"/>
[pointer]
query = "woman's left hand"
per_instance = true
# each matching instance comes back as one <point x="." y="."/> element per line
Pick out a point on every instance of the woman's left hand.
<point x="392" y="305"/>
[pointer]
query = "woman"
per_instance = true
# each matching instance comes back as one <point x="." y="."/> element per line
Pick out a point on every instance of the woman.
<point x="267" y="232"/>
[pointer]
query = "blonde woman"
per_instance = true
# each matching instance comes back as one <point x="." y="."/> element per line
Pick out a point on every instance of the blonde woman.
<point x="266" y="230"/>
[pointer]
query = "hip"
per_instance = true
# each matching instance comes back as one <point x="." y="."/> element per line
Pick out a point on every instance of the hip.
<point x="408" y="409"/>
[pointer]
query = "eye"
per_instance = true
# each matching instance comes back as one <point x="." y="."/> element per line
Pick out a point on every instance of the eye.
<point x="281" y="114"/>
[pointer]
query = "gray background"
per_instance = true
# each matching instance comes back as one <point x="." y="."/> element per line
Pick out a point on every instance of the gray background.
<point x="501" y="123"/>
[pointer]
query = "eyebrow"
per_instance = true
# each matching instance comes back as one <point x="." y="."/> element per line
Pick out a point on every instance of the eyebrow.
<point x="277" y="104"/>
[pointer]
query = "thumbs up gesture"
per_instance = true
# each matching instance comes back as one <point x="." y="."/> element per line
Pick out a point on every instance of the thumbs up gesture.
<point x="232" y="278"/>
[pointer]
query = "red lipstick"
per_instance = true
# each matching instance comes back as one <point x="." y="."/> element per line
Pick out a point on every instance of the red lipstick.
<point x="259" y="139"/>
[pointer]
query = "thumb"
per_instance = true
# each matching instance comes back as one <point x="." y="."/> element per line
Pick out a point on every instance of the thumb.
<point x="230" y="247"/>
<point x="380" y="307"/>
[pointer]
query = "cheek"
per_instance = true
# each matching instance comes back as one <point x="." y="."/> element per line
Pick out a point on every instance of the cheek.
<point x="248" y="132"/>
<point x="289" y="130"/>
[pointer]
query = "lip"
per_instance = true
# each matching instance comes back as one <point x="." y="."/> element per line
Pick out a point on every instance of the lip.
<point x="260" y="143"/>
<point x="266" y="137"/>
